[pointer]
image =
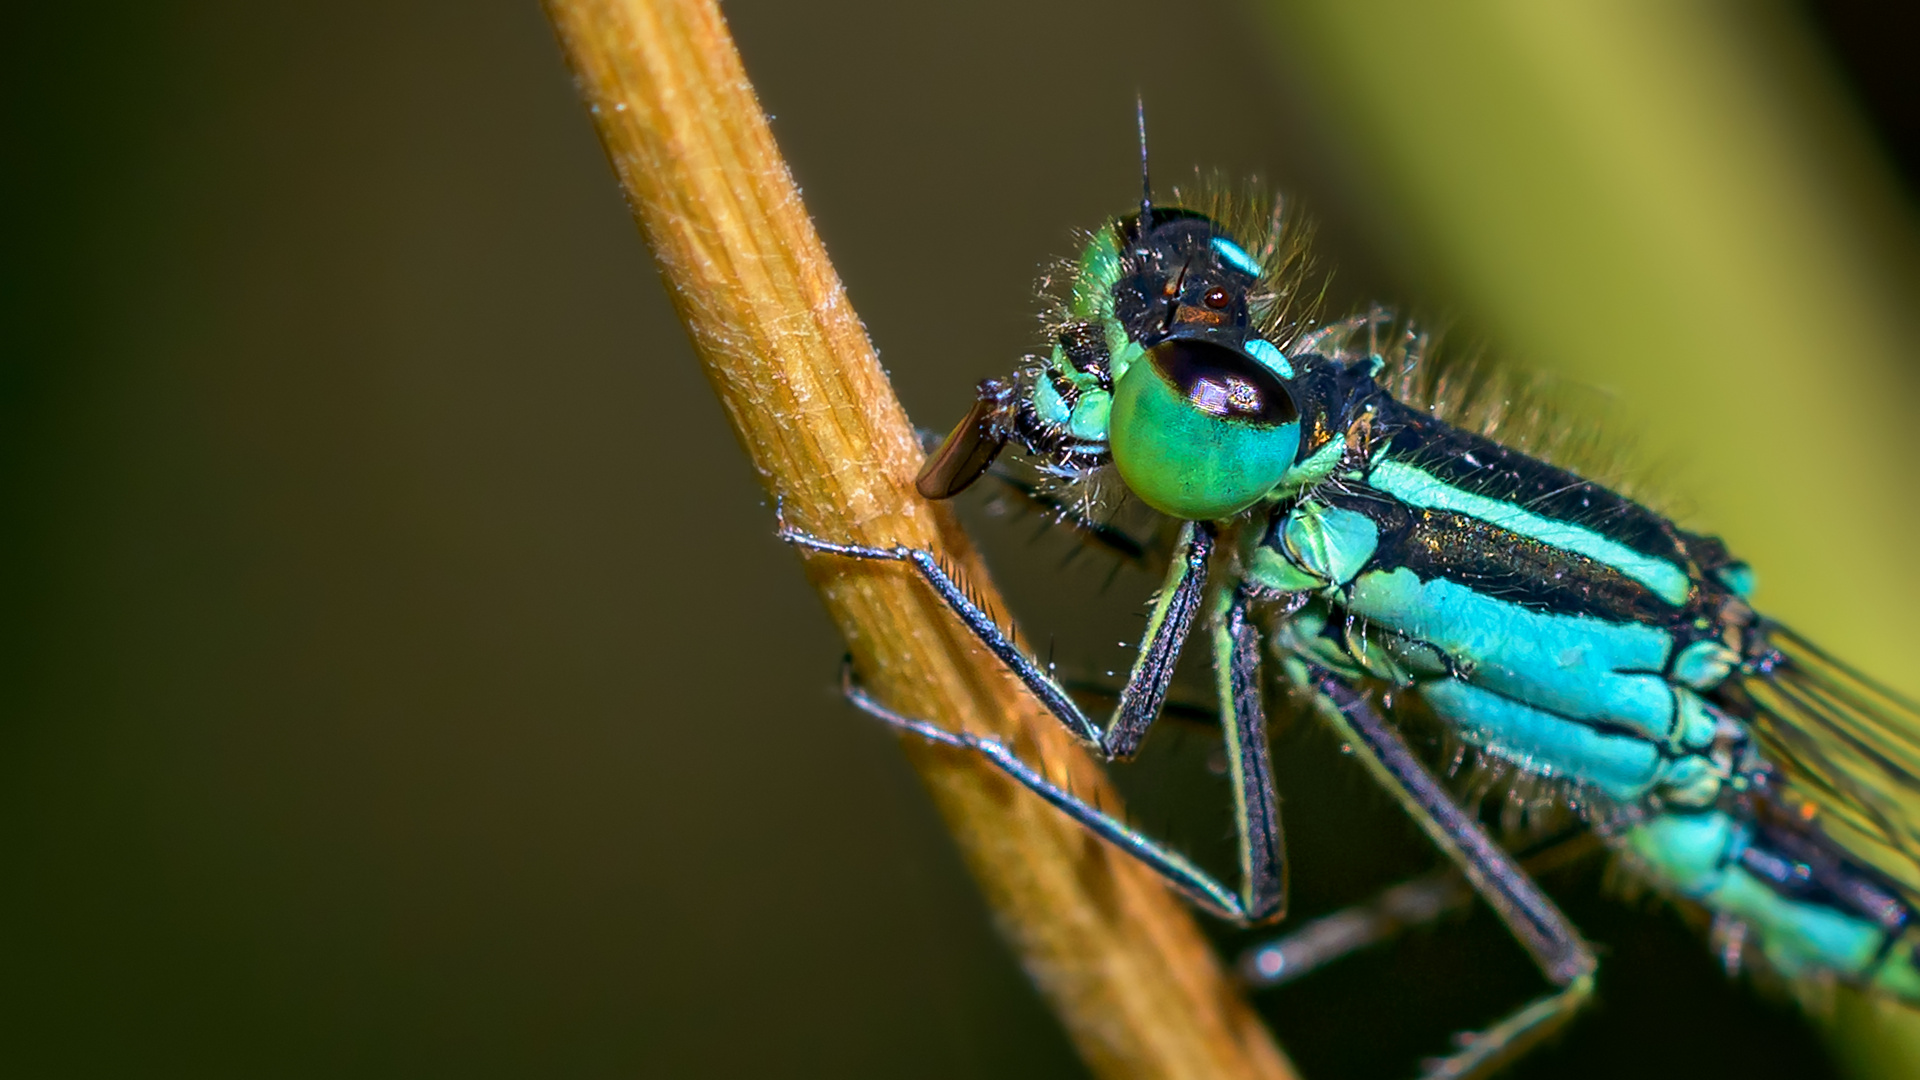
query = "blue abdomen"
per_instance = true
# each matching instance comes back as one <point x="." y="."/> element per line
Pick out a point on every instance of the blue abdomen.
<point x="1806" y="919"/>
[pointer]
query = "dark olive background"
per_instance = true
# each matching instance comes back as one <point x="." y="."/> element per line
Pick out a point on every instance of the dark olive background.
<point x="400" y="674"/>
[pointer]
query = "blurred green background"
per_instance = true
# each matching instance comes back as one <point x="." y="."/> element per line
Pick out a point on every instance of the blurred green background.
<point x="401" y="676"/>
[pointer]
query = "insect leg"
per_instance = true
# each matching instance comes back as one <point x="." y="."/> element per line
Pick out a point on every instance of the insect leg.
<point x="1530" y="916"/>
<point x="1139" y="702"/>
<point x="1168" y="625"/>
<point x="1140" y="699"/>
<point x="1484" y="1052"/>
<point x="1412" y="903"/>
<point x="1319" y="942"/>
<point x="1198" y="886"/>
<point x="1256" y="806"/>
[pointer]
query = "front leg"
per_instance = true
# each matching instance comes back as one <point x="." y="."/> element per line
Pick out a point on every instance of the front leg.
<point x="1236" y="656"/>
<point x="1263" y="883"/>
<point x="1243" y="722"/>
<point x="1205" y="891"/>
<point x="1167" y="628"/>
<point x="1146" y="689"/>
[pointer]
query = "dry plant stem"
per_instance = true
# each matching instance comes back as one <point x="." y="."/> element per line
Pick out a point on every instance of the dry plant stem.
<point x="1119" y="958"/>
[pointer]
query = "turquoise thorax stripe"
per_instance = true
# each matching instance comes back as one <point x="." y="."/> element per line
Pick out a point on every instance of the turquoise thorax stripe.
<point x="1578" y="666"/>
<point x="1623" y="767"/>
<point x="1416" y="487"/>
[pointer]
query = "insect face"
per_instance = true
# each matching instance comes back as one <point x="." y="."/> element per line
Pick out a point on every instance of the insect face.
<point x="1181" y="275"/>
<point x="1204" y="425"/>
<point x="1157" y="368"/>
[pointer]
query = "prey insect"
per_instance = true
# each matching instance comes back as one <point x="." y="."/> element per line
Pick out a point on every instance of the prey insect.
<point x="1344" y="513"/>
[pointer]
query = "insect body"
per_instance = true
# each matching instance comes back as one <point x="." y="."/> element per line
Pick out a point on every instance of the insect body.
<point x="1336" y="520"/>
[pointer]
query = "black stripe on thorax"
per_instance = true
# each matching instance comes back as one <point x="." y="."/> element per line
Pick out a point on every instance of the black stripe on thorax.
<point x="1477" y="464"/>
<point x="1501" y="564"/>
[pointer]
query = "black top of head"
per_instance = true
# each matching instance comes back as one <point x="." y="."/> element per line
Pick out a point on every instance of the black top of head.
<point x="1160" y="217"/>
<point x="1175" y="279"/>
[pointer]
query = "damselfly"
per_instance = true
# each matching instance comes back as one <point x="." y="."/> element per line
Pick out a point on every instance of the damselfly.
<point x="1350" y="508"/>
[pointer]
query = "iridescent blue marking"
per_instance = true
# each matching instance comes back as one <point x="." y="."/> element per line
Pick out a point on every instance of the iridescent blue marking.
<point x="1690" y="781"/>
<point x="1577" y="666"/>
<point x="1737" y="577"/>
<point x="1620" y="765"/>
<point x="1048" y="404"/>
<point x="1697" y="853"/>
<point x="1417" y="488"/>
<point x="1330" y="542"/>
<point x="1704" y="664"/>
<point x="1269" y="356"/>
<point x="1237" y="256"/>
<point x="1698" y="725"/>
<point x="1089" y="420"/>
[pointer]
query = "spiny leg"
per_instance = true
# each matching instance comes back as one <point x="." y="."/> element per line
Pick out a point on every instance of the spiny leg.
<point x="1489" y="1050"/>
<point x="1168" y="626"/>
<point x="1416" y="902"/>
<point x="1313" y="945"/>
<point x="1263" y="892"/>
<point x="1190" y="712"/>
<point x="1530" y="916"/>
<point x="1243" y="721"/>
<point x="1200" y="887"/>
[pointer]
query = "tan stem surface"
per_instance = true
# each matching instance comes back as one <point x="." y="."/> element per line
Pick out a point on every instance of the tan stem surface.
<point x="1119" y="958"/>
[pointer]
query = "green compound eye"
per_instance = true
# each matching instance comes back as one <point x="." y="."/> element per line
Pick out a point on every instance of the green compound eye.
<point x="1202" y="430"/>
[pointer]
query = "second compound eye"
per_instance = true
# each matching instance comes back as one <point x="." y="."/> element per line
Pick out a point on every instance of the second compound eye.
<point x="1201" y="430"/>
<point x="1223" y="382"/>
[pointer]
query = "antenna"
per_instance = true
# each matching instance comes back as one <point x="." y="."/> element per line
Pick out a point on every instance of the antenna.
<point x="1146" y="181"/>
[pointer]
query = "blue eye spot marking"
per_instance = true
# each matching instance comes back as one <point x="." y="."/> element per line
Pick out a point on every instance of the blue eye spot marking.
<point x="1236" y="255"/>
<point x="1737" y="577"/>
<point x="1269" y="357"/>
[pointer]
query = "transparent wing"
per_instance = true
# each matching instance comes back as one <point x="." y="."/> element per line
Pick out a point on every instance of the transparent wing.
<point x="1850" y="750"/>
